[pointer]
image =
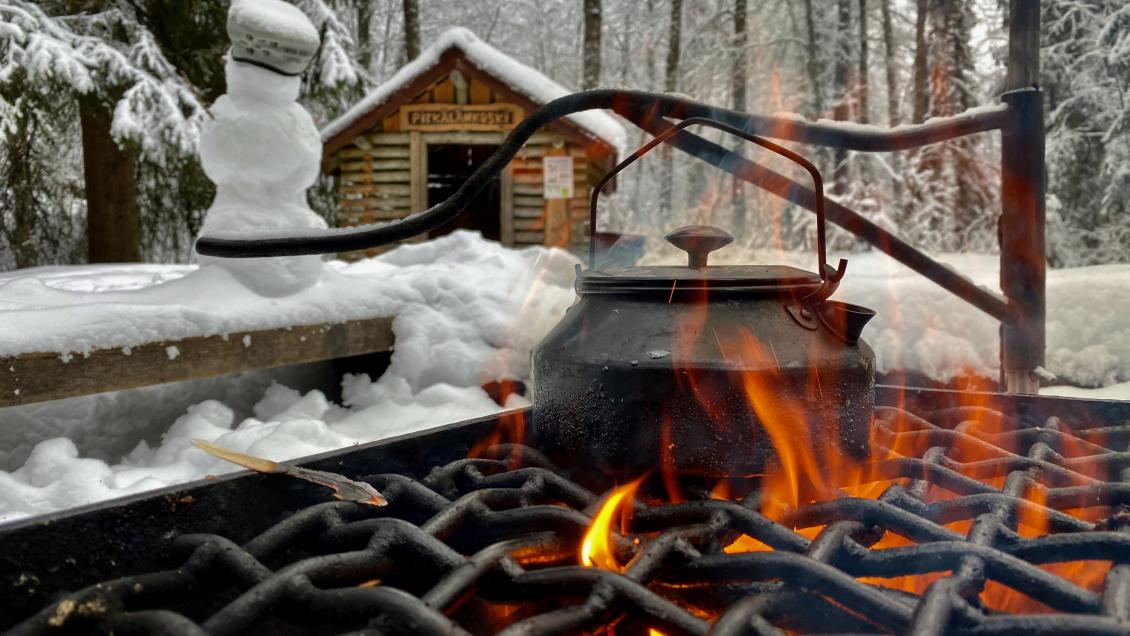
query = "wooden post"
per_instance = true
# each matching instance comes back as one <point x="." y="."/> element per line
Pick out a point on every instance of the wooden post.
<point x="418" y="172"/>
<point x="557" y="232"/>
<point x="1023" y="264"/>
<point x="506" y="206"/>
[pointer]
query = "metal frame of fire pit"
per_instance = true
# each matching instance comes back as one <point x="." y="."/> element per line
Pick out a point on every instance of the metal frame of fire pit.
<point x="477" y="531"/>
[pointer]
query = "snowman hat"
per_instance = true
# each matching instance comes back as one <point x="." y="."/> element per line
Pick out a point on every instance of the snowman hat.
<point x="272" y="34"/>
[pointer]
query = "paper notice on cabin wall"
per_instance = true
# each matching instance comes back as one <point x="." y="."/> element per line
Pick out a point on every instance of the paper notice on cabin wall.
<point x="558" y="173"/>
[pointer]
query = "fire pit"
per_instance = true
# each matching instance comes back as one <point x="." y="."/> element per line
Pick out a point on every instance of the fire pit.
<point x="974" y="513"/>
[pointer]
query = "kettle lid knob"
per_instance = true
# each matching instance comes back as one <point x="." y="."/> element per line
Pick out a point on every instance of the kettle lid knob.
<point x="698" y="241"/>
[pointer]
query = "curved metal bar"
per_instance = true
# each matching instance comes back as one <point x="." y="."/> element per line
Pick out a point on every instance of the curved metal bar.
<point x="839" y="214"/>
<point x="652" y="104"/>
<point x="817" y="180"/>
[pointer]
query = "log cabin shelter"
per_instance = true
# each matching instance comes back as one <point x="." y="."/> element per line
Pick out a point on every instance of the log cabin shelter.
<point x="412" y="141"/>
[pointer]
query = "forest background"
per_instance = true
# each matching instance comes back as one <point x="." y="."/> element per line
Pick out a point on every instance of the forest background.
<point x="101" y="103"/>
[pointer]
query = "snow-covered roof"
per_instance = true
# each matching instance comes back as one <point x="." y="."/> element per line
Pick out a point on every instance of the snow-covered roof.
<point x="521" y="78"/>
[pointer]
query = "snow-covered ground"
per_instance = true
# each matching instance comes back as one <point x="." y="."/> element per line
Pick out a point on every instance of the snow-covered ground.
<point x="468" y="311"/>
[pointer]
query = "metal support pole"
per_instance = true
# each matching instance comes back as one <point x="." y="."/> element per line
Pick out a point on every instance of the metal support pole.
<point x="1021" y="225"/>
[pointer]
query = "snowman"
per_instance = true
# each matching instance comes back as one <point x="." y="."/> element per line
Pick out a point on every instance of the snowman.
<point x="261" y="148"/>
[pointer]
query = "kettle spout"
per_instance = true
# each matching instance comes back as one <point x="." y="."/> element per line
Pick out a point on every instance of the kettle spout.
<point x="845" y="320"/>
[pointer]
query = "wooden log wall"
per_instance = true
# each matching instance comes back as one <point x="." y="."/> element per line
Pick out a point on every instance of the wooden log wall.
<point x="376" y="173"/>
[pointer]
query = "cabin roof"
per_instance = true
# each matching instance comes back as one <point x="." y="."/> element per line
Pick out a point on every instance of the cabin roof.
<point x="521" y="79"/>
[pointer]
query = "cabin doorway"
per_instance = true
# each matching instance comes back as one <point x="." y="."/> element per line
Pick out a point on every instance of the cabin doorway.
<point x="449" y="165"/>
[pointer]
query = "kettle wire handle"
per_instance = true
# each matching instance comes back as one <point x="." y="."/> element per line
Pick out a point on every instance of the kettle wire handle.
<point x="828" y="281"/>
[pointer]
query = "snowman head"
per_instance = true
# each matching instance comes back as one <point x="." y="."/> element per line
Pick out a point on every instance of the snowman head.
<point x="273" y="35"/>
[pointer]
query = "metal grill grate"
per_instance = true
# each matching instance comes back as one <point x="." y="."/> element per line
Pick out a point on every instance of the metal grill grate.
<point x="490" y="545"/>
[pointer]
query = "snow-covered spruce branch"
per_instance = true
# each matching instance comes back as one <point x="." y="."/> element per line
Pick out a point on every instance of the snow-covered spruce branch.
<point x="154" y="107"/>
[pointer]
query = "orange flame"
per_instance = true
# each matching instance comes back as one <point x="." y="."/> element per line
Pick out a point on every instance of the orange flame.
<point x="511" y="429"/>
<point x="596" y="549"/>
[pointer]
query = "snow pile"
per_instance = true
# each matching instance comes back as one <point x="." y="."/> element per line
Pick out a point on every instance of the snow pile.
<point x="107" y="426"/>
<point x="468" y="311"/>
<point x="921" y="326"/>
<point x="522" y="78"/>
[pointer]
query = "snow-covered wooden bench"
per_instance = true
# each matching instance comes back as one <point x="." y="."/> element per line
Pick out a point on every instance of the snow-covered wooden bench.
<point x="37" y="377"/>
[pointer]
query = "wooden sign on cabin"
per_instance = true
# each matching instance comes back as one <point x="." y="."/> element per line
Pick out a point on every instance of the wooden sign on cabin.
<point x="414" y="140"/>
<point x="451" y="117"/>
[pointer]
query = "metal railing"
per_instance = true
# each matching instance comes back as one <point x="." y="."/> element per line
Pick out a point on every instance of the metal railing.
<point x="1021" y="311"/>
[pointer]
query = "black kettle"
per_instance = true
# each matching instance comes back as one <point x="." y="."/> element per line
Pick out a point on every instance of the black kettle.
<point x="677" y="365"/>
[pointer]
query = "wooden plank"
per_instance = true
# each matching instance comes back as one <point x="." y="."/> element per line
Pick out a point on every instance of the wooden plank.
<point x="528" y="238"/>
<point x="377" y="152"/>
<point x="557" y="229"/>
<point x="558" y="232"/>
<point x="378" y="205"/>
<point x="529" y="213"/>
<point x="529" y="224"/>
<point x="444" y="91"/>
<point x="370" y="215"/>
<point x="528" y="189"/>
<point x="479" y="92"/>
<point x="376" y="164"/>
<point x="37" y="377"/>
<point x="418" y="157"/>
<point x="389" y="139"/>
<point x="528" y="201"/>
<point x="468" y="138"/>
<point x="506" y="206"/>
<point x="391" y="123"/>
<point x="537" y="151"/>
<point x="528" y="178"/>
<point x="389" y="214"/>
<point x="374" y="177"/>
<point x="377" y="188"/>
<point x="527" y="164"/>
<point x="449" y="117"/>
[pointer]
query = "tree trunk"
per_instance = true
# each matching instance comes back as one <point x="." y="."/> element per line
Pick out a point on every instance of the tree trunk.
<point x="670" y="85"/>
<point x="737" y="102"/>
<point x="892" y="77"/>
<point x="411" y="29"/>
<point x="864" y="86"/>
<point x="113" y="221"/>
<point x="813" y="62"/>
<point x="591" y="51"/>
<point x="892" y="103"/>
<point x="674" y="39"/>
<point x="921" y="71"/>
<point x="365" y="35"/>
<point x="842" y="110"/>
<point x="21" y="191"/>
<point x="741" y="43"/>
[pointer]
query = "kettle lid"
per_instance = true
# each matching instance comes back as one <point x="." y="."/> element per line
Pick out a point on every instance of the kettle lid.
<point x="698" y="241"/>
